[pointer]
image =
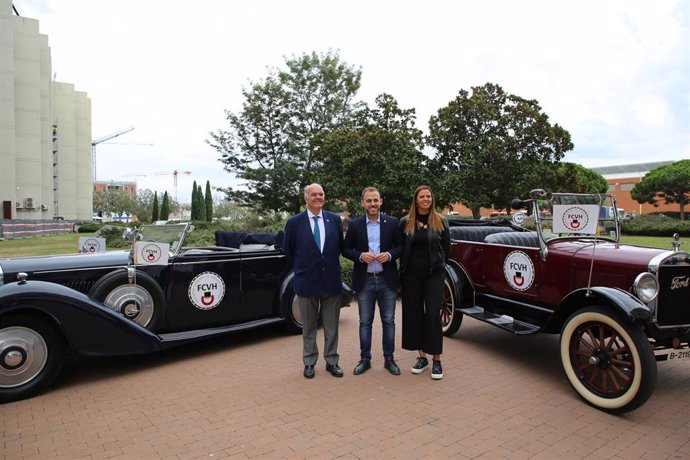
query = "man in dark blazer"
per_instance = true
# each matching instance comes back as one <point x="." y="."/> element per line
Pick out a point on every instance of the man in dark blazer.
<point x="313" y="243"/>
<point x="373" y="242"/>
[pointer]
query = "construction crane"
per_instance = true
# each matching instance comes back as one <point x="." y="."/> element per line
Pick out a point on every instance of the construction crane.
<point x="95" y="142"/>
<point x="174" y="173"/>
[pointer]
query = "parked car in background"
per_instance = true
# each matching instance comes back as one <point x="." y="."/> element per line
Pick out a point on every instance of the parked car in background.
<point x="618" y="309"/>
<point x="113" y="303"/>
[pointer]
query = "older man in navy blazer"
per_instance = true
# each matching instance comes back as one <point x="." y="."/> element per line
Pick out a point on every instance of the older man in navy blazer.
<point x="373" y="242"/>
<point x="313" y="243"/>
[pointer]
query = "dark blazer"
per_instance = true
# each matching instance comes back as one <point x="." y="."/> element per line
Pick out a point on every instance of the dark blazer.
<point x="316" y="274"/>
<point x="439" y="247"/>
<point x="357" y="242"/>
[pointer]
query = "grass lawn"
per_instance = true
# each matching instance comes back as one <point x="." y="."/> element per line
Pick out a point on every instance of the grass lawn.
<point x="68" y="244"/>
<point x="663" y="242"/>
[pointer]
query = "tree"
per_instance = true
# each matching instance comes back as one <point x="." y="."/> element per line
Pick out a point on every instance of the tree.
<point x="144" y="205"/>
<point x="121" y="203"/>
<point x="668" y="184"/>
<point x="492" y="146"/>
<point x="165" y="207"/>
<point x="195" y="203"/>
<point x="269" y="143"/>
<point x="155" y="212"/>
<point x="574" y="178"/>
<point x="201" y="204"/>
<point x="208" y="198"/>
<point x="100" y="203"/>
<point x="378" y="147"/>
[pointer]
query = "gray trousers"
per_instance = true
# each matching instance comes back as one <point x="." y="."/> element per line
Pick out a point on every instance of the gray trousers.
<point x="330" y="316"/>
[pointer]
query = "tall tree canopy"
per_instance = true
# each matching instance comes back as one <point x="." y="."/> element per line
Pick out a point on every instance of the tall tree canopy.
<point x="378" y="147"/>
<point x="201" y="204"/>
<point x="269" y="143"/>
<point x="665" y="184"/>
<point x="155" y="211"/>
<point x="208" y="202"/>
<point x="195" y="202"/>
<point x="492" y="146"/>
<point x="165" y="207"/>
<point x="574" y="178"/>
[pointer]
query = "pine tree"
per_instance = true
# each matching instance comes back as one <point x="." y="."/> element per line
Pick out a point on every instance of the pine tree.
<point x="165" y="207"/>
<point x="209" y="202"/>
<point x="155" y="212"/>
<point x="202" y="204"/>
<point x="195" y="203"/>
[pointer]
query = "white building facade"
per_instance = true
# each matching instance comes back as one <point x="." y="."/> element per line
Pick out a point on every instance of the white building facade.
<point x="45" y="130"/>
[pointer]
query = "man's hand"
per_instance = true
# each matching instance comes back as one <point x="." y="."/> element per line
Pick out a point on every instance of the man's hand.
<point x="382" y="257"/>
<point x="367" y="257"/>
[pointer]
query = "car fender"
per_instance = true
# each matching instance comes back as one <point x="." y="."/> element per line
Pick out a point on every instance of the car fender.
<point x="285" y="294"/>
<point x="88" y="326"/>
<point x="287" y="289"/>
<point x="461" y="282"/>
<point x="624" y="302"/>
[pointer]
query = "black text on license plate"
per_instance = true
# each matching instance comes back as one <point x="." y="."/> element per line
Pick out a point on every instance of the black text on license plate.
<point x="679" y="354"/>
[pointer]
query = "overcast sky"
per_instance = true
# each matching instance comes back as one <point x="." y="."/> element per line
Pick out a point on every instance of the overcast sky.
<point x="615" y="74"/>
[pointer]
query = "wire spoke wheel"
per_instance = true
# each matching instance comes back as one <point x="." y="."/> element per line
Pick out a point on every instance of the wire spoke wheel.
<point x="450" y="318"/>
<point x="602" y="360"/>
<point x="607" y="359"/>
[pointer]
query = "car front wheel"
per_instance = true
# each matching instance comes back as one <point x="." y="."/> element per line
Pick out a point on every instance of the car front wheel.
<point x="31" y="355"/>
<point x="608" y="361"/>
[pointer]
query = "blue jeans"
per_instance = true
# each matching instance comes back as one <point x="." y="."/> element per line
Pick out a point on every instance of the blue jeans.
<point x="375" y="289"/>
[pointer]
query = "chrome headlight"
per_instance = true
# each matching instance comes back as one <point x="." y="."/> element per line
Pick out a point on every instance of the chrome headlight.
<point x="646" y="287"/>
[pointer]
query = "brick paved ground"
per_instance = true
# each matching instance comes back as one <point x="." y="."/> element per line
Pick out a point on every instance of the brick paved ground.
<point x="244" y="397"/>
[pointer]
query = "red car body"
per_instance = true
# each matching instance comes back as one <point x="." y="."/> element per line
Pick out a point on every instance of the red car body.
<point x="618" y="308"/>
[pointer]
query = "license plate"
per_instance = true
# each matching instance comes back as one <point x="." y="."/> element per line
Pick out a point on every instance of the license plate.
<point x="678" y="354"/>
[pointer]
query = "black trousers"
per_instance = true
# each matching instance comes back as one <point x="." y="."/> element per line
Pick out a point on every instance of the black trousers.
<point x="421" y="312"/>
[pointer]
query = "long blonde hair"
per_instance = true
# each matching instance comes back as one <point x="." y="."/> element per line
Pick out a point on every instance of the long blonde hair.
<point x="435" y="219"/>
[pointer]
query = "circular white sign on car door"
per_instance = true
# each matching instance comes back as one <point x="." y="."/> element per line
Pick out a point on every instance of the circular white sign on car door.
<point x="518" y="270"/>
<point x="206" y="290"/>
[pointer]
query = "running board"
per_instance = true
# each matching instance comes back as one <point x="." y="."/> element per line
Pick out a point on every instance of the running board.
<point x="503" y="321"/>
<point x="177" y="338"/>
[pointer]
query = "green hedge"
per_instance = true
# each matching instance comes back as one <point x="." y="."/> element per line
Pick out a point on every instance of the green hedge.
<point x="88" y="227"/>
<point x="655" y="225"/>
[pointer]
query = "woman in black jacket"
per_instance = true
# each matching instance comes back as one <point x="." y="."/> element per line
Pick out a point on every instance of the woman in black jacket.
<point x="422" y="270"/>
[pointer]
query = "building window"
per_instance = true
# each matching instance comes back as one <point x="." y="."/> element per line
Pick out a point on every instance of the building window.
<point x="612" y="187"/>
<point x="627" y="187"/>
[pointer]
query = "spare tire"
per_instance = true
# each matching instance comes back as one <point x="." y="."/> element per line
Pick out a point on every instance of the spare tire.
<point x="142" y="301"/>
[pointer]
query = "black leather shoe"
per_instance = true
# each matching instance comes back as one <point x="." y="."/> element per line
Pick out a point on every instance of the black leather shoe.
<point x="309" y="372"/>
<point x="335" y="370"/>
<point x="362" y="367"/>
<point x="391" y="366"/>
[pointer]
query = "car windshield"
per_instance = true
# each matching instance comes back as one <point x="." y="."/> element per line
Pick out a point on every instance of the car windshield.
<point x="170" y="234"/>
<point x="577" y="216"/>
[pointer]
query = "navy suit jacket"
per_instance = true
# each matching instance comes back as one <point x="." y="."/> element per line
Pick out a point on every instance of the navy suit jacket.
<point x="316" y="274"/>
<point x="357" y="242"/>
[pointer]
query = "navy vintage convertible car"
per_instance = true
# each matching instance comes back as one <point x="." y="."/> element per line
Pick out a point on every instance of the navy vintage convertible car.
<point x="105" y="304"/>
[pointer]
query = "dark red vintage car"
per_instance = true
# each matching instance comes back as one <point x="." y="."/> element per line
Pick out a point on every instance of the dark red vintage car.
<point x="561" y="269"/>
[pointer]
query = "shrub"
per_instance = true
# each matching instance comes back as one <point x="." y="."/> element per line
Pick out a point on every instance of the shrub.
<point x="347" y="266"/>
<point x="113" y="236"/>
<point x="88" y="227"/>
<point x="655" y="225"/>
